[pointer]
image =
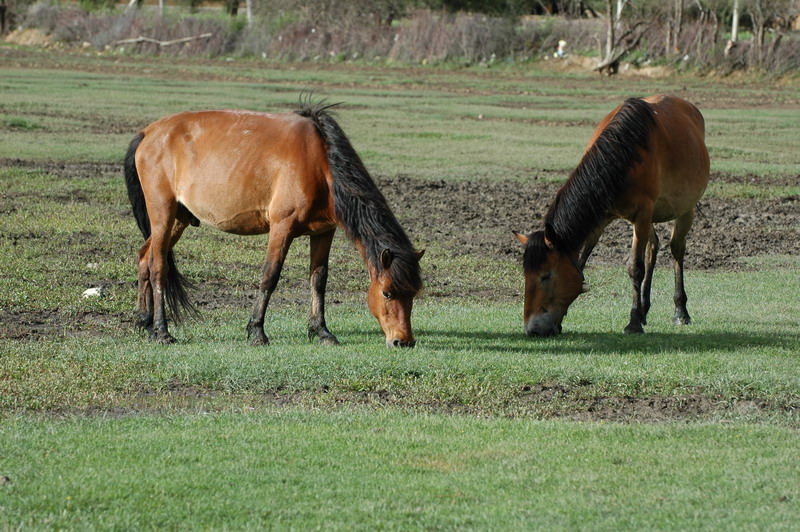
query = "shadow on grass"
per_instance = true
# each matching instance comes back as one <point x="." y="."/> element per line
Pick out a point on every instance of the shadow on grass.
<point x="594" y="343"/>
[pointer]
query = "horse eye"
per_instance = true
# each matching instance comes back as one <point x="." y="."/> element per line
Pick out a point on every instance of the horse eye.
<point x="546" y="277"/>
<point x="387" y="295"/>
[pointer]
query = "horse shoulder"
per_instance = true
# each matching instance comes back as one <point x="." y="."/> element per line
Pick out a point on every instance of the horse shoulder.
<point x="303" y="182"/>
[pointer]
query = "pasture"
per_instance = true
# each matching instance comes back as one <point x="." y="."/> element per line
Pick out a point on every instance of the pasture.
<point x="478" y="426"/>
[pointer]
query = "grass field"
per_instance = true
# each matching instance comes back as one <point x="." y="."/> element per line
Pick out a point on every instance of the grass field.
<point x="478" y="427"/>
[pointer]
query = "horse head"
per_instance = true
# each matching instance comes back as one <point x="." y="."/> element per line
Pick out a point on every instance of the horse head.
<point x="391" y="296"/>
<point x="552" y="282"/>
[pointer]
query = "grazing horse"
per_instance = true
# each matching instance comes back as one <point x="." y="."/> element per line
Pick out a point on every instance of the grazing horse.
<point x="251" y="173"/>
<point x="646" y="162"/>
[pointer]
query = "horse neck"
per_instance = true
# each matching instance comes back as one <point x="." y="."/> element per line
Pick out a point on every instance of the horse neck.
<point x="365" y="256"/>
<point x="577" y="211"/>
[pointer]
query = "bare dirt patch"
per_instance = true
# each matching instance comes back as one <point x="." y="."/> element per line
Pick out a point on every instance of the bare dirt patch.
<point x="476" y="218"/>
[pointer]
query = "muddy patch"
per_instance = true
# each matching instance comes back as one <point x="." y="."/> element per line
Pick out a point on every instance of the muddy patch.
<point x="538" y="401"/>
<point x="476" y="218"/>
<point x="35" y="325"/>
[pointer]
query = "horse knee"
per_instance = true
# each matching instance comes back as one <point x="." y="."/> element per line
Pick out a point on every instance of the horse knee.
<point x="319" y="278"/>
<point x="636" y="268"/>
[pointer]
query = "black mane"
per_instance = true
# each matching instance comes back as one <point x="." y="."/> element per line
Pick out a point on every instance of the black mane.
<point x="535" y="253"/>
<point x="601" y="177"/>
<point x="361" y="208"/>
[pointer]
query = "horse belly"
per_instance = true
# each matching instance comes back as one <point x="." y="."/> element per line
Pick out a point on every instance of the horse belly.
<point x="246" y="223"/>
<point x="221" y="211"/>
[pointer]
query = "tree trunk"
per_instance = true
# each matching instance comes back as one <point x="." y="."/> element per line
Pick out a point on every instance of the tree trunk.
<point x="610" y="25"/>
<point x="676" y="37"/>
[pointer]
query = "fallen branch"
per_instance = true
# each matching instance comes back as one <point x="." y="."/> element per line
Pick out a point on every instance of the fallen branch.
<point x="163" y="43"/>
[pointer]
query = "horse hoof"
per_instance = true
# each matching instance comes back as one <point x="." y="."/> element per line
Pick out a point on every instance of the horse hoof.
<point x="682" y="320"/>
<point x="162" y="338"/>
<point x="328" y="340"/>
<point x="634" y="329"/>
<point x="259" y="340"/>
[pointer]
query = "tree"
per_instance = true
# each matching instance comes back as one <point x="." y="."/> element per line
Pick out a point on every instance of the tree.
<point x="764" y="14"/>
<point x="618" y="42"/>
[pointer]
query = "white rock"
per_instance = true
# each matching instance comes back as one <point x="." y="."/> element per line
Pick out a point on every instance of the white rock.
<point x="93" y="292"/>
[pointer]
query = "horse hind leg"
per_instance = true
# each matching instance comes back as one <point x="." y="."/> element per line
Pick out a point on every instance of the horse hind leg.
<point x="145" y="290"/>
<point x="163" y="238"/>
<point x="318" y="280"/>
<point x="651" y="253"/>
<point x="677" y="246"/>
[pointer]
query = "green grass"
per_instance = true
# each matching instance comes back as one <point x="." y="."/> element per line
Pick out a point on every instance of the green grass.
<point x="292" y="469"/>
<point x="472" y="356"/>
<point x="478" y="427"/>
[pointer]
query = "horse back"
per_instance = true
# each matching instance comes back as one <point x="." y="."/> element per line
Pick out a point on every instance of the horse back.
<point x="239" y="171"/>
<point x="681" y="164"/>
<point x="673" y="170"/>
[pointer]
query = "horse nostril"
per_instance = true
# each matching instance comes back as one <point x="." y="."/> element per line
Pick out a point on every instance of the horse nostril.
<point x="397" y="343"/>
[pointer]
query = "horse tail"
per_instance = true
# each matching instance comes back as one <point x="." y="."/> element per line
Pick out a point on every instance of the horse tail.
<point x="135" y="194"/>
<point x="176" y="284"/>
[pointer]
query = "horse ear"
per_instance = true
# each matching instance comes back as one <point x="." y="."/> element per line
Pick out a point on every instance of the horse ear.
<point x="386" y="258"/>
<point x="420" y="253"/>
<point x="523" y="239"/>
<point x="550" y="238"/>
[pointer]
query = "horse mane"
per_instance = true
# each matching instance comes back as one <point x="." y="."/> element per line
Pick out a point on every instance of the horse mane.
<point x="535" y="253"/>
<point x="602" y="175"/>
<point x="360" y="207"/>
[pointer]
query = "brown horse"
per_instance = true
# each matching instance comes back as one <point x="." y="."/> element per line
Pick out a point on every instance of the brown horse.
<point x="251" y="173"/>
<point x="646" y="162"/>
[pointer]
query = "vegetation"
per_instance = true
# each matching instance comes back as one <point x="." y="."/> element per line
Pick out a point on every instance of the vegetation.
<point x="679" y="33"/>
<point x="478" y="427"/>
<point x="357" y="470"/>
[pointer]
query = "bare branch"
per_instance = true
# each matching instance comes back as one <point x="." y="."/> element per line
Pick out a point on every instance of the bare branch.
<point x="163" y="43"/>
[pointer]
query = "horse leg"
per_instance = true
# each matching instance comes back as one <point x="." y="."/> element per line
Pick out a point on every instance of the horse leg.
<point x="677" y="245"/>
<point x="318" y="279"/>
<point x="636" y="270"/>
<point x="145" y="297"/>
<point x="651" y="252"/>
<point x="280" y="239"/>
<point x="165" y="233"/>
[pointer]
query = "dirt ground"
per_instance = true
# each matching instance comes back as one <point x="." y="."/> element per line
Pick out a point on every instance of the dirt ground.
<point x="476" y="218"/>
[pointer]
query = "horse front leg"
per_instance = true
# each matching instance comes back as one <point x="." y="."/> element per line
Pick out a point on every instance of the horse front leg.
<point x="677" y="246"/>
<point x="318" y="280"/>
<point x="279" y="241"/>
<point x="636" y="270"/>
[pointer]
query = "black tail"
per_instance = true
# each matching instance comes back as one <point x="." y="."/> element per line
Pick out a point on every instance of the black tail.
<point x="359" y="205"/>
<point x="177" y="284"/>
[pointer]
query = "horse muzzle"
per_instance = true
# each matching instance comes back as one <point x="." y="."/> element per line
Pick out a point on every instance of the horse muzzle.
<point x="543" y="326"/>
<point x="397" y="342"/>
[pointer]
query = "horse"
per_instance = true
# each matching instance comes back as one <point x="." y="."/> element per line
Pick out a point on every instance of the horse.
<point x="647" y="163"/>
<point x="250" y="173"/>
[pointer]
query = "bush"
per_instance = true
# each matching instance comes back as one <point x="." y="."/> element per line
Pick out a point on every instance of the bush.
<point x="334" y="31"/>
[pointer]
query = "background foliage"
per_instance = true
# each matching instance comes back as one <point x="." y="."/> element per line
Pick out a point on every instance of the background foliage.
<point x="682" y="33"/>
